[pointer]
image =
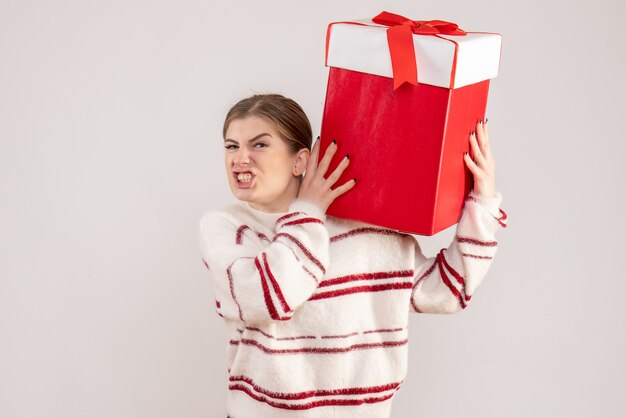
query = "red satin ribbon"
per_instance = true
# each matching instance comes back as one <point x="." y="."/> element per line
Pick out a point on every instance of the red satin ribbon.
<point x="400" y="39"/>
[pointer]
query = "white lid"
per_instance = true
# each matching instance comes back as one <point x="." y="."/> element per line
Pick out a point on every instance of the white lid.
<point x="366" y="49"/>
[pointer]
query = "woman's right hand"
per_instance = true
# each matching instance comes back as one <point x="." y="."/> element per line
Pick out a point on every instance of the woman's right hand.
<point x="317" y="189"/>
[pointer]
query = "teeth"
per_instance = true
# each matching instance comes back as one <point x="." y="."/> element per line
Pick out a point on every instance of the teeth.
<point x="244" y="178"/>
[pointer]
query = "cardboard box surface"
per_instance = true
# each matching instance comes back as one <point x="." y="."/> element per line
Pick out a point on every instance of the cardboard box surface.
<point x="406" y="149"/>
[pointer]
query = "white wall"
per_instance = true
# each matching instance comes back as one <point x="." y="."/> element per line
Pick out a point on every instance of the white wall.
<point x="110" y="131"/>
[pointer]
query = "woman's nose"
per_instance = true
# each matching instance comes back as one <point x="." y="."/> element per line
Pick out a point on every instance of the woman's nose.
<point x="241" y="157"/>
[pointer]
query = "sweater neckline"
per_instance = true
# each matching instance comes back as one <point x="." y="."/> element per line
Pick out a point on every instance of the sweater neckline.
<point x="262" y="214"/>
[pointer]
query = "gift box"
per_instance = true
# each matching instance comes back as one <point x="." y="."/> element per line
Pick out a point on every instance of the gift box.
<point x="402" y="99"/>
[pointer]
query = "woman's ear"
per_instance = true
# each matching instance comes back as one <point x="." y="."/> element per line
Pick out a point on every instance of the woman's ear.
<point x="300" y="161"/>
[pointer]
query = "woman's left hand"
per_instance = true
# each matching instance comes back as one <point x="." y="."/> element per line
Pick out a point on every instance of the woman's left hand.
<point x="481" y="163"/>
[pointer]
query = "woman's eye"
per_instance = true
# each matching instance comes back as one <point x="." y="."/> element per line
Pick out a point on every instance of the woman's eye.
<point x="235" y="146"/>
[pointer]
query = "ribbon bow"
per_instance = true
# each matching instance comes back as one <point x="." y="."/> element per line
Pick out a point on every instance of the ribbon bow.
<point x="400" y="39"/>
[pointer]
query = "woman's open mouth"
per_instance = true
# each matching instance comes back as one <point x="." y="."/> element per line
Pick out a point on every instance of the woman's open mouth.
<point x="244" y="180"/>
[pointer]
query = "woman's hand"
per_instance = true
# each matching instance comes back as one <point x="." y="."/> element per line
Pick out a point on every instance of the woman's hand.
<point x="317" y="189"/>
<point x="481" y="162"/>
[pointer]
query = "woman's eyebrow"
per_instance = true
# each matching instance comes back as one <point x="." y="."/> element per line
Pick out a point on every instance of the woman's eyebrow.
<point x="253" y="139"/>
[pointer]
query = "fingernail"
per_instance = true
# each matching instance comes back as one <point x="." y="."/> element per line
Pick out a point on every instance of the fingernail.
<point x="347" y="156"/>
<point x="334" y="142"/>
<point x="481" y="121"/>
<point x="318" y="137"/>
<point x="486" y="120"/>
<point x="354" y="179"/>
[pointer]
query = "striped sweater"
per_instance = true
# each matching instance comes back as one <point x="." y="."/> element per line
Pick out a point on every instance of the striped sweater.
<point x="317" y="307"/>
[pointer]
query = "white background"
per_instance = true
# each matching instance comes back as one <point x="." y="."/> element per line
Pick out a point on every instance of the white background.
<point x="110" y="136"/>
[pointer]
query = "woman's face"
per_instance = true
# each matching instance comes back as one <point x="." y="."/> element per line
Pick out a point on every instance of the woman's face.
<point x="253" y="146"/>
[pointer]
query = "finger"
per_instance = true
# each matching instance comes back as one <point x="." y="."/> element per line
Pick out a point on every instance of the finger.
<point x="480" y="135"/>
<point x="312" y="164"/>
<point x="486" y="128"/>
<point x="471" y="165"/>
<point x="338" y="191"/>
<point x="332" y="179"/>
<point x="486" y="137"/>
<point x="483" y="140"/>
<point x="485" y="146"/>
<point x="483" y="136"/>
<point x="325" y="162"/>
<point x="476" y="153"/>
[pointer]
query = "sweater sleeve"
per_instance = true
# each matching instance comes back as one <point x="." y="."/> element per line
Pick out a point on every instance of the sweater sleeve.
<point x="446" y="283"/>
<point x="256" y="280"/>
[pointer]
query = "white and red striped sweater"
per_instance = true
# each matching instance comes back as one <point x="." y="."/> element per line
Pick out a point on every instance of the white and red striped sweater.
<point x="317" y="307"/>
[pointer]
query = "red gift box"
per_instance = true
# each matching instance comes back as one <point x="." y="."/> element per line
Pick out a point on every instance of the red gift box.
<point x="402" y="99"/>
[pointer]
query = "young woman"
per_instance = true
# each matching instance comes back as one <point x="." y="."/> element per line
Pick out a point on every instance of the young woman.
<point x="317" y="307"/>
